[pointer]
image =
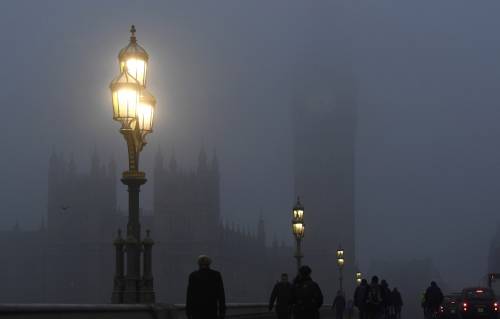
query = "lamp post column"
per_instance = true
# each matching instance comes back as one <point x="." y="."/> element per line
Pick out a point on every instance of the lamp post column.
<point x="133" y="180"/>
<point x="340" y="278"/>
<point x="298" y="253"/>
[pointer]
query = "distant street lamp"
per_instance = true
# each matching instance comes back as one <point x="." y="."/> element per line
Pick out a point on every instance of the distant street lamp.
<point x="340" y="263"/>
<point x="359" y="277"/>
<point x="134" y="108"/>
<point x="298" y="229"/>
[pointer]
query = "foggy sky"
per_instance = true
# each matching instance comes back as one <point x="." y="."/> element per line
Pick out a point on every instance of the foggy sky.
<point x="428" y="165"/>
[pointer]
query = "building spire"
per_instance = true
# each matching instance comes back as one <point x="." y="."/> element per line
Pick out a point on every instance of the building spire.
<point x="261" y="229"/>
<point x="215" y="162"/>
<point x="94" y="162"/>
<point x="159" y="160"/>
<point x="42" y="223"/>
<point x="202" y="160"/>
<point x="172" y="165"/>
<point x="72" y="165"/>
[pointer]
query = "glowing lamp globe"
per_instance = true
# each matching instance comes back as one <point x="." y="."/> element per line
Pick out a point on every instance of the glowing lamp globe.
<point x="298" y="230"/>
<point x="135" y="59"/>
<point x="125" y="92"/>
<point x="146" y="112"/>
<point x="358" y="277"/>
<point x="298" y="212"/>
<point x="340" y="262"/>
<point x="340" y="253"/>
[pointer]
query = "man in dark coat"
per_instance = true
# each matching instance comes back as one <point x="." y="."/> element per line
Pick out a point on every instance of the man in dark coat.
<point x="339" y="305"/>
<point x="360" y="295"/>
<point x="433" y="298"/>
<point x="307" y="296"/>
<point x="386" y="299"/>
<point x="205" y="292"/>
<point x="282" y="295"/>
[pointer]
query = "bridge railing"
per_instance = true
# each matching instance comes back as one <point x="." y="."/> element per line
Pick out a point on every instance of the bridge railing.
<point x="109" y="311"/>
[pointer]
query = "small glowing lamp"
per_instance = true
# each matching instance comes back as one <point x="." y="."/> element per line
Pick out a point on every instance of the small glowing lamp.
<point x="298" y="212"/>
<point x="358" y="277"/>
<point x="298" y="230"/>
<point x="340" y="253"/>
<point x="340" y="262"/>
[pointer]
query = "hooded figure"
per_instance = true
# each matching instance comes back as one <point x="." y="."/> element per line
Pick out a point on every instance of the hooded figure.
<point x="205" y="292"/>
<point x="307" y="296"/>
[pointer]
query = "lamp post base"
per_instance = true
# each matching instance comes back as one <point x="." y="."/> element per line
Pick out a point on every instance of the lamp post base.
<point x="134" y="288"/>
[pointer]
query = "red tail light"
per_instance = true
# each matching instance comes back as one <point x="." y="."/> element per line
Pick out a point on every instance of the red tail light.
<point x="464" y="306"/>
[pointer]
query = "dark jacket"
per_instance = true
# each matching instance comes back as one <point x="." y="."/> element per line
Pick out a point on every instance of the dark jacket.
<point x="374" y="301"/>
<point x="282" y="295"/>
<point x="307" y="298"/>
<point x="339" y="304"/>
<point x="205" y="295"/>
<point x="386" y="295"/>
<point x="360" y="296"/>
<point x="433" y="297"/>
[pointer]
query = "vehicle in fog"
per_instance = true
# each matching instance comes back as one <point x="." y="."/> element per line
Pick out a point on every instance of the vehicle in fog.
<point x="450" y="307"/>
<point x="478" y="302"/>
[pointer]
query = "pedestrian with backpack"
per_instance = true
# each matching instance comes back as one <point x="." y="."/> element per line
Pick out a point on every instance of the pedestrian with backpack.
<point x="307" y="297"/>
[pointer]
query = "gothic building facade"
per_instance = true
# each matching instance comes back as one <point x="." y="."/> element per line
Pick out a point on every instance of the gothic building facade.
<point x="71" y="257"/>
<point x="187" y="222"/>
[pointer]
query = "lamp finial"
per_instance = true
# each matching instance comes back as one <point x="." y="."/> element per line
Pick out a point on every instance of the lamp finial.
<point x="132" y="31"/>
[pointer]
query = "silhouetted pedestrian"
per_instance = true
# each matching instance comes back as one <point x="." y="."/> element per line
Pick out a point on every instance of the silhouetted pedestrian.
<point x="205" y="292"/>
<point x="433" y="299"/>
<point x="307" y="296"/>
<point x="374" y="299"/>
<point x="360" y="295"/>
<point x="339" y="305"/>
<point x="397" y="303"/>
<point x="386" y="299"/>
<point x="282" y="295"/>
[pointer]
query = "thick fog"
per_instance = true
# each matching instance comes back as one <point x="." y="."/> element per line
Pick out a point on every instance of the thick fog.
<point x="428" y="74"/>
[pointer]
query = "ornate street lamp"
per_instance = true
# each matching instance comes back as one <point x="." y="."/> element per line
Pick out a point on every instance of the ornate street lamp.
<point x="340" y="263"/>
<point x="298" y="229"/>
<point x="134" y="108"/>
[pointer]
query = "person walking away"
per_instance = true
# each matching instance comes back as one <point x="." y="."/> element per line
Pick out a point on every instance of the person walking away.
<point x="397" y="303"/>
<point x="433" y="298"/>
<point x="374" y="299"/>
<point x="360" y="295"/>
<point x="307" y="296"/>
<point x="205" y="292"/>
<point x="339" y="305"/>
<point x="386" y="299"/>
<point x="282" y="295"/>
